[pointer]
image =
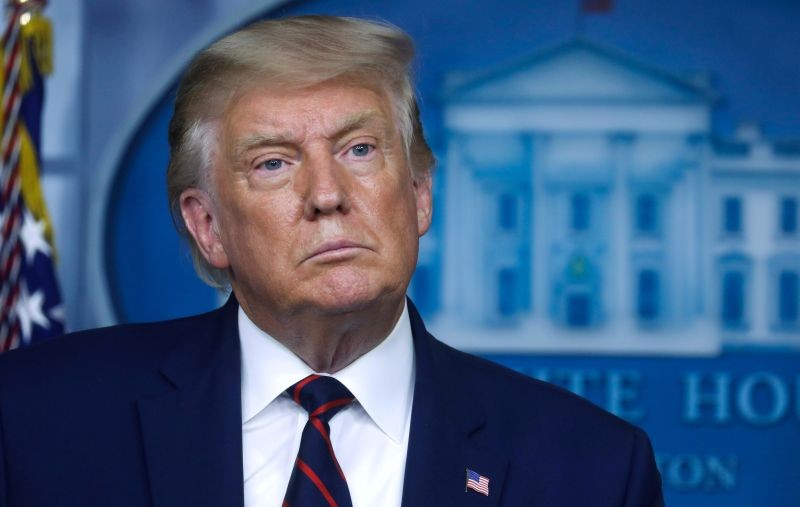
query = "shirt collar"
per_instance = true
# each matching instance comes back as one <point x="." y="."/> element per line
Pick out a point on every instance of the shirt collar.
<point x="382" y="380"/>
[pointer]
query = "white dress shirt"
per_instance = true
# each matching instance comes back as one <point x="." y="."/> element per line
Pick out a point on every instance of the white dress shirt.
<point x="369" y="437"/>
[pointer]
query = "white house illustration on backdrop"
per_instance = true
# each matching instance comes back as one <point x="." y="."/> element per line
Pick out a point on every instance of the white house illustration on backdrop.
<point x="585" y="205"/>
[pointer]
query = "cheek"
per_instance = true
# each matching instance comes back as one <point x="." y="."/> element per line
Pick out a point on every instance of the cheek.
<point x="254" y="228"/>
<point x="398" y="208"/>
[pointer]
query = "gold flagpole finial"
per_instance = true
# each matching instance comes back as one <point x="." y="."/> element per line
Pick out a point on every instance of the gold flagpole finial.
<point x="25" y="9"/>
<point x="37" y="37"/>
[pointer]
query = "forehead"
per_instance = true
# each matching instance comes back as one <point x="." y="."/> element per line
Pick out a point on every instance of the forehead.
<point x="297" y="114"/>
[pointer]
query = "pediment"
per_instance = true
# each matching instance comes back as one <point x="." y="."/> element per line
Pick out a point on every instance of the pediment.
<point x="578" y="70"/>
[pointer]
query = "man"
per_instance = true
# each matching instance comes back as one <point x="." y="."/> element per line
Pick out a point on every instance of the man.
<point x="301" y="176"/>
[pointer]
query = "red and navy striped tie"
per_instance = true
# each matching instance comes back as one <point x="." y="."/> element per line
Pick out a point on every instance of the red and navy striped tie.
<point x="317" y="479"/>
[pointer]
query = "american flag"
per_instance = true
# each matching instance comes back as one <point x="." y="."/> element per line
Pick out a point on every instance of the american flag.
<point x="477" y="482"/>
<point x="30" y="300"/>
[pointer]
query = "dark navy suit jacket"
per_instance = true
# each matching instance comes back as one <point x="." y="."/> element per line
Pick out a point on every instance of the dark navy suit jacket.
<point x="150" y="414"/>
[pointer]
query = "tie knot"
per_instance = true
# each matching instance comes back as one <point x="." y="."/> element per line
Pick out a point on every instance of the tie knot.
<point x="321" y="396"/>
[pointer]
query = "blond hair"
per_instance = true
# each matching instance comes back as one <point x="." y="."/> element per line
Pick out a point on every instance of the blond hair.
<point x="291" y="52"/>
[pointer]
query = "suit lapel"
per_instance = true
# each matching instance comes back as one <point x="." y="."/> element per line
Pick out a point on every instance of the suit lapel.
<point x="446" y="432"/>
<point x="192" y="433"/>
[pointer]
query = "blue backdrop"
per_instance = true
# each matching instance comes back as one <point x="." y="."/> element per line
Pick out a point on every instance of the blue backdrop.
<point x="617" y="202"/>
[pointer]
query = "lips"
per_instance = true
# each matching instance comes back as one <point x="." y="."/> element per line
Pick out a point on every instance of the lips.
<point x="335" y="249"/>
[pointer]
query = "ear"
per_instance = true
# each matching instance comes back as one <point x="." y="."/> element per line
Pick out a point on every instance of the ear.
<point x="200" y="218"/>
<point x="424" y="198"/>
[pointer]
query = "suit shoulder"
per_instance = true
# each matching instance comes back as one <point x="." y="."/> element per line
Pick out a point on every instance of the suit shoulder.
<point x="575" y="450"/>
<point x="94" y="350"/>
<point x="510" y="393"/>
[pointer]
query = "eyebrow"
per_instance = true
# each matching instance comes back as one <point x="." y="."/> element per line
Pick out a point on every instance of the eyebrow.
<point x="347" y="125"/>
<point x="361" y="120"/>
<point x="259" y="140"/>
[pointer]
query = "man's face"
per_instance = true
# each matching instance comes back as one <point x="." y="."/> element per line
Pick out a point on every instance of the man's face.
<point x="315" y="207"/>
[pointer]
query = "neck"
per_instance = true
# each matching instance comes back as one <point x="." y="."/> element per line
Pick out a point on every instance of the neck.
<point x="328" y="342"/>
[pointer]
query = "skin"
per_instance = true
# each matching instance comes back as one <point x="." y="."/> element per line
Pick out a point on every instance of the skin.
<point x="315" y="215"/>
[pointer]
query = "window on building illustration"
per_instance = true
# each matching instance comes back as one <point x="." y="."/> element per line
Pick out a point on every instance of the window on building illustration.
<point x="579" y="212"/>
<point x="648" y="301"/>
<point x="788" y="215"/>
<point x="507" y="292"/>
<point x="788" y="297"/>
<point x="507" y="211"/>
<point x="578" y="310"/>
<point x="733" y="299"/>
<point x="732" y="215"/>
<point x="646" y="214"/>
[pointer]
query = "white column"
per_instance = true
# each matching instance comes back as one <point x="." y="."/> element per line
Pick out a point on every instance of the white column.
<point x="679" y="222"/>
<point x="694" y="239"/>
<point x="540" y="243"/>
<point x="473" y="249"/>
<point x="757" y="298"/>
<point x="453" y="263"/>
<point x="463" y="242"/>
<point x="707" y="200"/>
<point x="619" y="307"/>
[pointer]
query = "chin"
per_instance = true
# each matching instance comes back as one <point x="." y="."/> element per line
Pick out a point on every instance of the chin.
<point x="342" y="295"/>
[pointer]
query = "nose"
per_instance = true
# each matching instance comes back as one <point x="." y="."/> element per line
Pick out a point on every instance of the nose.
<point x="326" y="187"/>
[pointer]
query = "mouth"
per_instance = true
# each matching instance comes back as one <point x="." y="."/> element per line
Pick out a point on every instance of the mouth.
<point x="335" y="250"/>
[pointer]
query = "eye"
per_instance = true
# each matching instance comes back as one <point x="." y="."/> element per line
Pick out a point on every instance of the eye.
<point x="272" y="164"/>
<point x="362" y="150"/>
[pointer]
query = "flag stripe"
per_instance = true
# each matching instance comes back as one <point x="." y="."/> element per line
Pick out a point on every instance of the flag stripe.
<point x="11" y="29"/>
<point x="30" y="302"/>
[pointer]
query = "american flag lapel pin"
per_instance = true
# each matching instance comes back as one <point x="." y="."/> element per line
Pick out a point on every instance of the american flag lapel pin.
<point x="477" y="482"/>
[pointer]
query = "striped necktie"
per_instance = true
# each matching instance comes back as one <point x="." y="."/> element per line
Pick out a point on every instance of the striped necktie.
<point x="317" y="479"/>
